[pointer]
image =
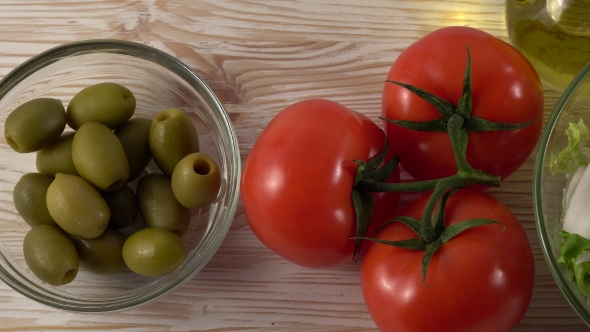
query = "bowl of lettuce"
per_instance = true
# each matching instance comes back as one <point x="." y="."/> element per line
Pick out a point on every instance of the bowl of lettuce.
<point x="561" y="193"/>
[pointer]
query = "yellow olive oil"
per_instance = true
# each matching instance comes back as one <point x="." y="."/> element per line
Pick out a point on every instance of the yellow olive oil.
<point x="553" y="34"/>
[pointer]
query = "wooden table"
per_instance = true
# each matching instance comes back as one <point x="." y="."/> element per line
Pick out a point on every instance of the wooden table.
<point x="261" y="56"/>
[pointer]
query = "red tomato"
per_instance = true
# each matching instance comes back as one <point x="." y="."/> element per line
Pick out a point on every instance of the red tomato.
<point x="297" y="181"/>
<point x="505" y="87"/>
<point x="481" y="280"/>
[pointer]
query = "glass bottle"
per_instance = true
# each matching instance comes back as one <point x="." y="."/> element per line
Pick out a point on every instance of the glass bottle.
<point x="553" y="34"/>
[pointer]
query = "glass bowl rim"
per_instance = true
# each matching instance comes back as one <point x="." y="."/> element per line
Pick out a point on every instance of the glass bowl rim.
<point x="581" y="308"/>
<point x="163" y="59"/>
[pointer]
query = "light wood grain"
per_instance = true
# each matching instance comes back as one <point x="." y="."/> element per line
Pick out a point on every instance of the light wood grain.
<point x="260" y="56"/>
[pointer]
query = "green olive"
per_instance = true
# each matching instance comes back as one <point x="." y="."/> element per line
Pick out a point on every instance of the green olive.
<point x="29" y="199"/>
<point x="172" y="137"/>
<point x="135" y="138"/>
<point x="104" y="254"/>
<point x="57" y="157"/>
<point x="153" y="252"/>
<point x="34" y="124"/>
<point x="77" y="207"/>
<point x="51" y="255"/>
<point x="99" y="156"/>
<point x="158" y="206"/>
<point x="108" y="103"/>
<point x="123" y="205"/>
<point x="196" y="180"/>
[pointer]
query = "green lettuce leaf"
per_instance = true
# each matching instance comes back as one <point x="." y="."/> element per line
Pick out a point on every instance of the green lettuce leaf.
<point x="571" y="248"/>
<point x="577" y="151"/>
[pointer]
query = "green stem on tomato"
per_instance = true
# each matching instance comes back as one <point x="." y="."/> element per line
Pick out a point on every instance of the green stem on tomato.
<point x="442" y="188"/>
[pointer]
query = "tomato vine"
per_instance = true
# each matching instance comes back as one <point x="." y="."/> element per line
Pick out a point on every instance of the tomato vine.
<point x="458" y="121"/>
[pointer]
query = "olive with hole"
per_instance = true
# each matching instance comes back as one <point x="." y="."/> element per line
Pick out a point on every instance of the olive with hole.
<point x="196" y="180"/>
<point x="159" y="207"/>
<point x="153" y="252"/>
<point x="135" y="138"/>
<point x="108" y="103"/>
<point x="123" y="205"/>
<point x="57" y="157"/>
<point x="77" y="207"/>
<point x="34" y="124"/>
<point x="103" y="255"/>
<point x="172" y="137"/>
<point x="29" y="196"/>
<point x="99" y="156"/>
<point x="51" y="255"/>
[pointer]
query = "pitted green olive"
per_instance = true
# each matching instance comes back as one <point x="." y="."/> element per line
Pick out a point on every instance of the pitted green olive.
<point x="123" y="205"/>
<point x="29" y="199"/>
<point x="153" y="252"/>
<point x="34" y="124"/>
<point x="77" y="207"/>
<point x="108" y="103"/>
<point x="99" y="156"/>
<point x="172" y="137"/>
<point x="135" y="138"/>
<point x="196" y="180"/>
<point x="104" y="254"/>
<point x="57" y="157"/>
<point x="51" y="255"/>
<point x="158" y="206"/>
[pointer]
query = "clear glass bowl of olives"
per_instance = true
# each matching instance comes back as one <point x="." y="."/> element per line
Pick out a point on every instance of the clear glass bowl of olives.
<point x="119" y="175"/>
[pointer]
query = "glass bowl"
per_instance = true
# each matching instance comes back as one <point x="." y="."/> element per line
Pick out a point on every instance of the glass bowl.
<point x="548" y="189"/>
<point x="158" y="81"/>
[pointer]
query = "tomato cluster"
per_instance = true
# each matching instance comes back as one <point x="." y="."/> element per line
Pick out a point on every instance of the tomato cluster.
<point x="462" y="110"/>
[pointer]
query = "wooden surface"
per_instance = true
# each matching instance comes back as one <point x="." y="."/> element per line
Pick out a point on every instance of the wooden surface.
<point x="260" y="56"/>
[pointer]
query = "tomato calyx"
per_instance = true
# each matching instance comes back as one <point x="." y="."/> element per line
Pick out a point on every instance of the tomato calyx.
<point x="431" y="231"/>
<point x="447" y="110"/>
<point x="362" y="199"/>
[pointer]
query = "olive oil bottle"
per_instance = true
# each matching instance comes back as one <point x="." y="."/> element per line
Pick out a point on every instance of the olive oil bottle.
<point x="553" y="34"/>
